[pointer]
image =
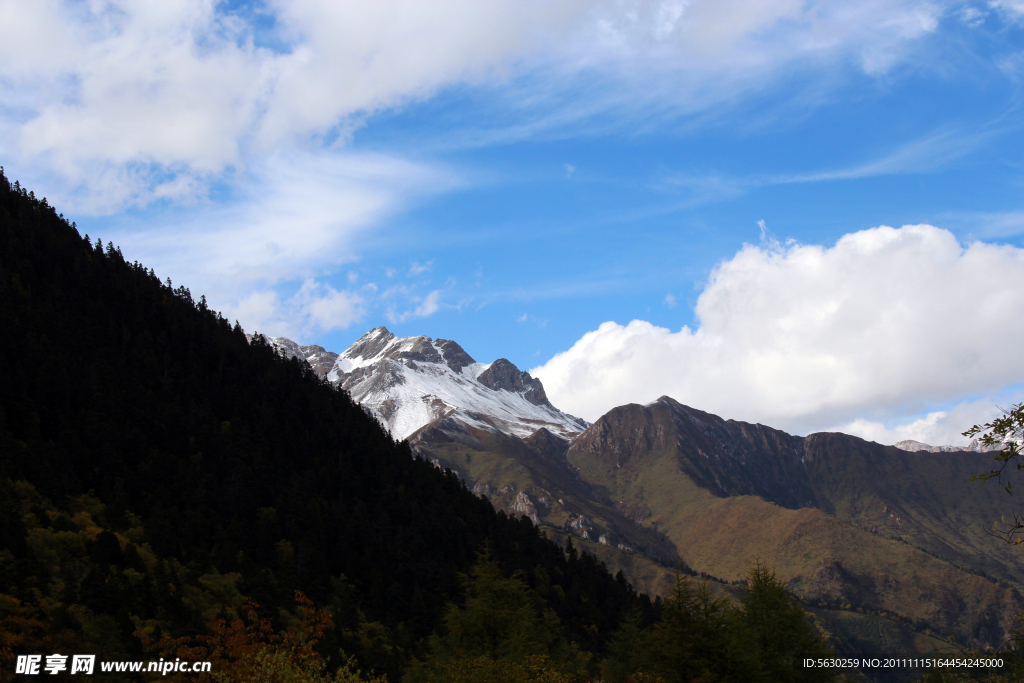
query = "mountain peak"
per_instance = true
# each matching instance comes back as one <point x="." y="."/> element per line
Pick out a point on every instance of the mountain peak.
<point x="503" y="375"/>
<point x="411" y="382"/>
<point x="370" y="344"/>
<point x="454" y="355"/>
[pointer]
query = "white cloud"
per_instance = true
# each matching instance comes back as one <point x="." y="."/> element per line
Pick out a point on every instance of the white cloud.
<point x="805" y="337"/>
<point x="670" y="300"/>
<point x="315" y="308"/>
<point x="133" y="102"/>
<point x="298" y="211"/>
<point x="1013" y="8"/>
<point x="972" y="16"/>
<point x="429" y="305"/>
<point x="296" y="220"/>
<point x="424" y="306"/>
<point x="569" y="170"/>
<point x="328" y="309"/>
<point x="936" y="428"/>
<point x="420" y="268"/>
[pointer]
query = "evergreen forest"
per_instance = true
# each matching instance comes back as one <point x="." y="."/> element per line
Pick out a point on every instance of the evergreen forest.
<point x="170" y="489"/>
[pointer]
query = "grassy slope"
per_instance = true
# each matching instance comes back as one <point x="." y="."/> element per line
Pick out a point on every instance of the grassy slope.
<point x="777" y="537"/>
<point x="636" y="488"/>
<point x="646" y="575"/>
<point x="510" y="465"/>
<point x="926" y="499"/>
<point x="850" y="630"/>
<point x="819" y="555"/>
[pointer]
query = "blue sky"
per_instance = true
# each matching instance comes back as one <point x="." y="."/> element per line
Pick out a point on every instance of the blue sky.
<point x="518" y="175"/>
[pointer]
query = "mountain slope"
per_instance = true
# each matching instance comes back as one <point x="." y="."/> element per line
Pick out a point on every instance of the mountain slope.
<point x="841" y="518"/>
<point x="155" y="468"/>
<point x="489" y="423"/>
<point x="827" y="511"/>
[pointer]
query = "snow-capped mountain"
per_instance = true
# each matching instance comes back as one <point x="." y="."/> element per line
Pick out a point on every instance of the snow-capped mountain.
<point x="916" y="446"/>
<point x="410" y="382"/>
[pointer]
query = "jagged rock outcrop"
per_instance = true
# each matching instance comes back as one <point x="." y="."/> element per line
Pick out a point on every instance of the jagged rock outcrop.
<point x="522" y="505"/>
<point x="502" y="375"/>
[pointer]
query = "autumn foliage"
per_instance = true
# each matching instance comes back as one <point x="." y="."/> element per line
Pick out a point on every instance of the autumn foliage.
<point x="248" y="650"/>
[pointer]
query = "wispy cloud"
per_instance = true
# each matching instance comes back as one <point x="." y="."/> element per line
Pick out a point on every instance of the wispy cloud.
<point x="130" y="103"/>
<point x="420" y="268"/>
<point x="1013" y="9"/>
<point x="403" y="302"/>
<point x="294" y="219"/>
<point x="430" y="304"/>
<point x="986" y="224"/>
<point x="931" y="153"/>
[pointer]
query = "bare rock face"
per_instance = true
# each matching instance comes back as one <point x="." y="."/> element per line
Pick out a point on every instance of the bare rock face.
<point x="484" y="490"/>
<point x="522" y="505"/>
<point x="371" y="343"/>
<point x="503" y="375"/>
<point x="319" y="358"/>
<point x="454" y="356"/>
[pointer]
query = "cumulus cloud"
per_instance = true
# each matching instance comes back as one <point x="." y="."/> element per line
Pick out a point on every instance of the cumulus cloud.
<point x="806" y="337"/>
<point x="136" y="102"/>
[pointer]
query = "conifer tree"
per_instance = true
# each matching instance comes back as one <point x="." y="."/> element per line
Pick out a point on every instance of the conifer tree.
<point x="701" y="637"/>
<point x="628" y="651"/>
<point x="503" y="631"/>
<point x="502" y="617"/>
<point x="781" y="633"/>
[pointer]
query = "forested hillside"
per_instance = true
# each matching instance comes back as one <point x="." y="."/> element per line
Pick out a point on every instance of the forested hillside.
<point x="158" y="472"/>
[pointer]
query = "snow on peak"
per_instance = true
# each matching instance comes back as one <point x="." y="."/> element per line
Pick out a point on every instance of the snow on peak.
<point x="916" y="446"/>
<point x="409" y="382"/>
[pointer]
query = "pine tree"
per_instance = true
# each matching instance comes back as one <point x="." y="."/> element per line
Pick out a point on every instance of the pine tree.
<point x="502" y="617"/>
<point x="781" y="633"/>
